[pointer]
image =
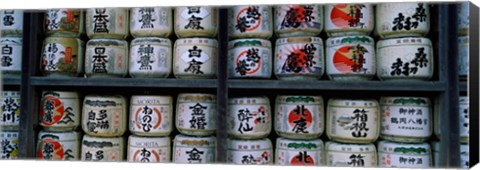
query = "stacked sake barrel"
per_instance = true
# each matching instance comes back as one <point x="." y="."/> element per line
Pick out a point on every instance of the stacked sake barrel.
<point x="9" y="124"/>
<point x="463" y="22"/>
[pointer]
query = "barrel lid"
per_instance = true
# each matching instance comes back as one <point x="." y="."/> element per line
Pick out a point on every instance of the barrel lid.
<point x="404" y="148"/>
<point x="152" y="41"/>
<point x="254" y="42"/>
<point x="61" y="94"/>
<point x="196" y="97"/>
<point x="141" y="141"/>
<point x="196" y="41"/>
<point x="404" y="41"/>
<point x="9" y="134"/>
<point x="248" y="145"/>
<point x="341" y="147"/>
<point x="11" y="94"/>
<point x="353" y="102"/>
<point x="405" y="101"/>
<point x="249" y="100"/>
<point x="284" y="143"/>
<point x="299" y="99"/>
<point x="150" y="100"/>
<point x="332" y="41"/>
<point x="104" y="100"/>
<point x="189" y="141"/>
<point x="107" y="42"/>
<point x="11" y="40"/>
<point x="101" y="142"/>
<point x="59" y="136"/>
<point x="300" y="39"/>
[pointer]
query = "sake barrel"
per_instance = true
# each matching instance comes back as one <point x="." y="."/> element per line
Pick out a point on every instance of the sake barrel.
<point x="299" y="58"/>
<point x="60" y="111"/>
<point x="254" y="21"/>
<point x="9" y="149"/>
<point x="299" y="117"/>
<point x="463" y="18"/>
<point x="150" y="58"/>
<point x="104" y="115"/>
<point x="350" y="155"/>
<point x="195" y="58"/>
<point x="148" y="149"/>
<point x="298" y="20"/>
<point x="62" y="57"/>
<point x="60" y="146"/>
<point x="106" y="58"/>
<point x="151" y="115"/>
<point x="350" y="58"/>
<point x="299" y="152"/>
<point x="406" y="19"/>
<point x="196" y="21"/>
<point x="249" y="117"/>
<point x="151" y="22"/>
<point x="406" y="119"/>
<point x="349" y="19"/>
<point x="463" y="57"/>
<point x="10" y="110"/>
<point x="353" y="120"/>
<point x="11" y="55"/>
<point x="250" y="58"/>
<point x="401" y="155"/>
<point x="405" y="59"/>
<point x="101" y="149"/>
<point x="111" y="23"/>
<point x="464" y="110"/>
<point x="12" y="24"/>
<point x="464" y="156"/>
<point x="196" y="114"/>
<point x="194" y="150"/>
<point x="250" y="152"/>
<point x="64" y="22"/>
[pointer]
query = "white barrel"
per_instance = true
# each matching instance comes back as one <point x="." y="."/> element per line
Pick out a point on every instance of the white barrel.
<point x="464" y="156"/>
<point x="249" y="117"/>
<point x="106" y="58"/>
<point x="250" y="58"/>
<point x="463" y="57"/>
<point x="463" y="18"/>
<point x="195" y="58"/>
<point x="464" y="110"/>
<point x="9" y="149"/>
<point x="150" y="58"/>
<point x="298" y="20"/>
<point x="12" y="23"/>
<point x="350" y="155"/>
<point x="196" y="21"/>
<point x="104" y="115"/>
<point x="351" y="58"/>
<point x="10" y="110"/>
<point x="405" y="59"/>
<point x="148" y="149"/>
<point x="65" y="22"/>
<point x="353" y="120"/>
<point x="194" y="150"/>
<point x="100" y="149"/>
<point x="349" y="19"/>
<point x="196" y="114"/>
<point x="110" y="23"/>
<point x="299" y="152"/>
<point x="151" y="22"/>
<point x="405" y="19"/>
<point x="11" y="55"/>
<point x="60" y="146"/>
<point x="62" y="56"/>
<point x="60" y="110"/>
<point x="250" y="152"/>
<point x="406" y="119"/>
<point x="299" y="58"/>
<point x="299" y="117"/>
<point x="253" y="21"/>
<point x="400" y="155"/>
<point x="151" y="115"/>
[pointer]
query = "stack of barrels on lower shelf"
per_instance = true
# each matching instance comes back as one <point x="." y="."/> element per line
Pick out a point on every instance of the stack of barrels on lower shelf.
<point x="103" y="119"/>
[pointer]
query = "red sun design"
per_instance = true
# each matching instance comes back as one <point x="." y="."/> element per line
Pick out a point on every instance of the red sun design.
<point x="340" y="14"/>
<point x="242" y="13"/>
<point x="57" y="153"/>
<point x="295" y="161"/>
<point x="344" y="61"/>
<point x="58" y="110"/>
<point x="293" y="116"/>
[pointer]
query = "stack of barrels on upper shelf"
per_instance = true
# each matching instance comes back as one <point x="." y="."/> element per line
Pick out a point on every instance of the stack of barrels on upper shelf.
<point x="11" y="39"/>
